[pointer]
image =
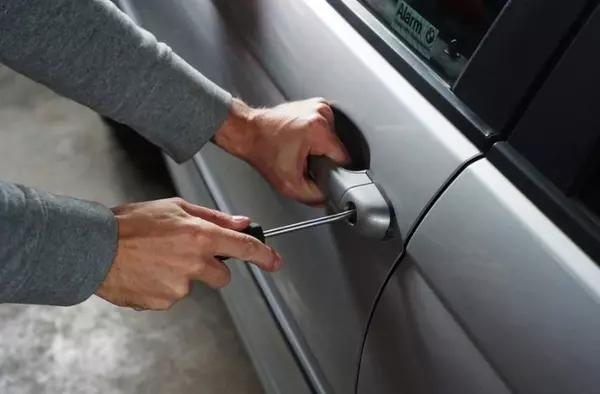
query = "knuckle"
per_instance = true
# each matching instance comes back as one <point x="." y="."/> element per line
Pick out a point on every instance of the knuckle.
<point x="208" y="235"/>
<point x="249" y="248"/>
<point x="325" y="110"/>
<point x="178" y="201"/>
<point x="189" y="230"/>
<point x="198" y="235"/>
<point x="216" y="216"/>
<point x="209" y="214"/>
<point x="318" y="122"/>
<point x="181" y="290"/>
<point x="198" y="268"/>
<point x="315" y="119"/>
<point x="322" y="107"/>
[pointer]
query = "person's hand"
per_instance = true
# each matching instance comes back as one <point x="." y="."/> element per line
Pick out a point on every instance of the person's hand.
<point x="277" y="142"/>
<point x="164" y="245"/>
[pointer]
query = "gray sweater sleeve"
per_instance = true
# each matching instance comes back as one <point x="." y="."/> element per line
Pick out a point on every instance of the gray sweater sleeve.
<point x="57" y="250"/>
<point x="91" y="52"/>
<point x="53" y="250"/>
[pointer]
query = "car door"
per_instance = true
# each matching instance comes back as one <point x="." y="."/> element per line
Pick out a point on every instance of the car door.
<point x="408" y="85"/>
<point x="491" y="297"/>
<point x="499" y="287"/>
<point x="271" y="50"/>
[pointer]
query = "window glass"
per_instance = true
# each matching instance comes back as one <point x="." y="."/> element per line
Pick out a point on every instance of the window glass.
<point x="444" y="33"/>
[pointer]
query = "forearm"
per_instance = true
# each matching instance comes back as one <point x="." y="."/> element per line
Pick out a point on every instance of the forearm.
<point x="53" y="250"/>
<point x="91" y="52"/>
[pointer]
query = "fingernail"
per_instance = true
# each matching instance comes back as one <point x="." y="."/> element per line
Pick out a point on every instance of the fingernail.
<point x="240" y="218"/>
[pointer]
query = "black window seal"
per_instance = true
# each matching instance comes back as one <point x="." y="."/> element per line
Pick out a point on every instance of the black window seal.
<point x="558" y="129"/>
<point x="574" y="221"/>
<point x="551" y="154"/>
<point x="503" y="71"/>
<point x="566" y="213"/>
<point x="419" y="74"/>
<point x="478" y="103"/>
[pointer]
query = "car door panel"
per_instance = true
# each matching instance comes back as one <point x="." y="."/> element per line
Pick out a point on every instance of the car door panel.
<point x="240" y="189"/>
<point x="309" y="50"/>
<point x="524" y="293"/>
<point x="267" y="347"/>
<point x="267" y="51"/>
<point x="414" y="345"/>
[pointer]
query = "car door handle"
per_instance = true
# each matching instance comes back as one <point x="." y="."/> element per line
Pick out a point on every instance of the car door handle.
<point x="348" y="189"/>
<point x="352" y="187"/>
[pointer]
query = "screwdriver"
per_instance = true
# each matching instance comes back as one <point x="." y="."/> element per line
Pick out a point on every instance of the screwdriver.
<point x="256" y="230"/>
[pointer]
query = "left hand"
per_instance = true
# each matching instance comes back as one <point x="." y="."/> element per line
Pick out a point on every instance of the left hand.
<point x="277" y="142"/>
<point x="164" y="245"/>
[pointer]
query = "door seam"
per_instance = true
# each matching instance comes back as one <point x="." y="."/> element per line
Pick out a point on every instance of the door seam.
<point x="437" y="195"/>
<point x="307" y="376"/>
<point x="313" y="374"/>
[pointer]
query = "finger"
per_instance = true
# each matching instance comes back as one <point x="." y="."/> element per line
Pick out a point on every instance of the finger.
<point x="214" y="273"/>
<point x="322" y="100"/>
<point x="219" y="218"/>
<point x="303" y="190"/>
<point x="326" y="143"/>
<point x="245" y="247"/>
<point x="337" y="151"/>
<point x="300" y="186"/>
<point x="310" y="194"/>
<point x="325" y="111"/>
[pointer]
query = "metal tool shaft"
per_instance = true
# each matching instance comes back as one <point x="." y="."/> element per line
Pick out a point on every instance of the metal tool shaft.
<point x="308" y="224"/>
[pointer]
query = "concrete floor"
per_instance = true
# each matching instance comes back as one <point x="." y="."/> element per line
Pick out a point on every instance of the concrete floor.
<point x="54" y="144"/>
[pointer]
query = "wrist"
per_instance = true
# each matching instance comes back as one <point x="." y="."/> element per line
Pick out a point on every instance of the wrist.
<point x="239" y="131"/>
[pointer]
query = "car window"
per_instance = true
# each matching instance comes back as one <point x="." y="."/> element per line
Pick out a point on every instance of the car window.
<point x="445" y="33"/>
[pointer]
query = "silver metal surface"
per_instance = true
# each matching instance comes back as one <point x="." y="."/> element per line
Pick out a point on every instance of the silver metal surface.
<point x="291" y="228"/>
<point x="354" y="189"/>
<point x="522" y="292"/>
<point x="373" y="212"/>
<point x="266" y="345"/>
<point x="334" y="180"/>
<point x="331" y="274"/>
<point x="309" y="50"/>
<point x="415" y="345"/>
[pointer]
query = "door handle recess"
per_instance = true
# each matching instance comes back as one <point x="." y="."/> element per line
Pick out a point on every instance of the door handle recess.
<point x="352" y="187"/>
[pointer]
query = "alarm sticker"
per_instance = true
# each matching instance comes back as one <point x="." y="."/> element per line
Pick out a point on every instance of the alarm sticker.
<point x="415" y="29"/>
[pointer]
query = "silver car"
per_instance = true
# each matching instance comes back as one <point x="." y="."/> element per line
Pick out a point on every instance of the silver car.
<point x="470" y="266"/>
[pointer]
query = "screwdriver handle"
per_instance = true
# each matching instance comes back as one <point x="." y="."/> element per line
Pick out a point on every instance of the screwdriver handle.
<point x="255" y="230"/>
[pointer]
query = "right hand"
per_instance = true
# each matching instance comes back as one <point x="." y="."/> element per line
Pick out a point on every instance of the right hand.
<point x="278" y="141"/>
<point x="164" y="245"/>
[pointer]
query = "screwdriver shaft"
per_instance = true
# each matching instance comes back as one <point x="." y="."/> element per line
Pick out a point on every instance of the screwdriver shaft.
<point x="308" y="224"/>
